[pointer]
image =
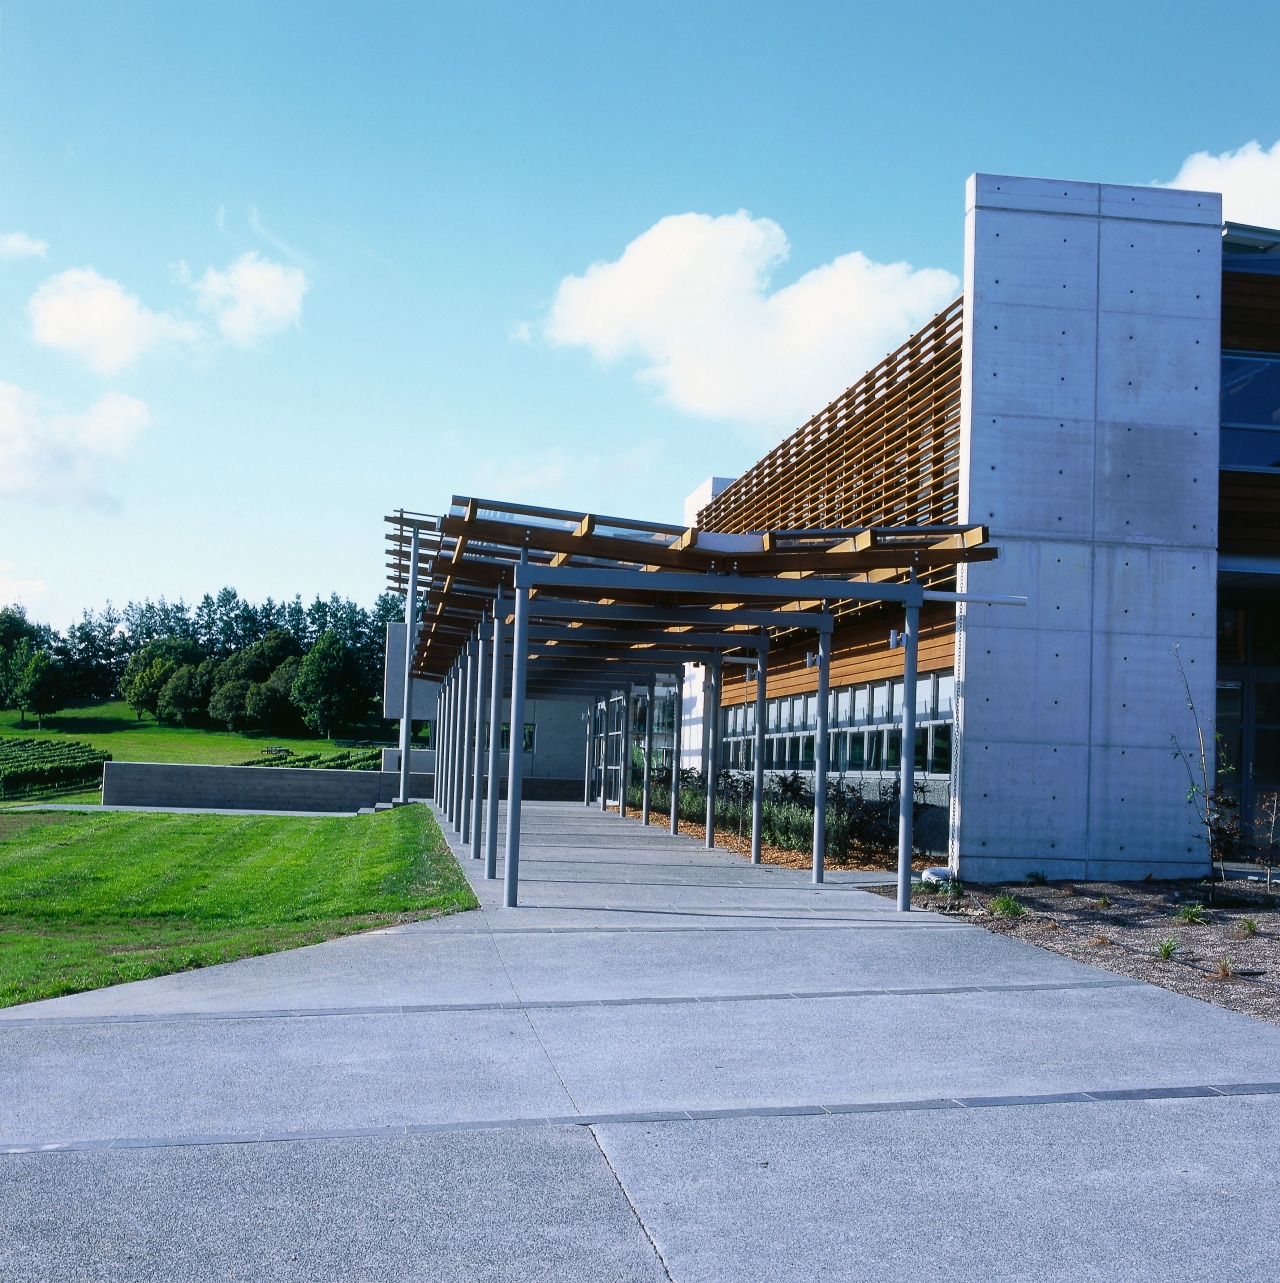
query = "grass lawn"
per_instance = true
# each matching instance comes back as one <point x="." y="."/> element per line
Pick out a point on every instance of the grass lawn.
<point x="90" y="900"/>
<point x="115" y="728"/>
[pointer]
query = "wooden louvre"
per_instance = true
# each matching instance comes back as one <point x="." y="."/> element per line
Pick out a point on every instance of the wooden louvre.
<point x="1250" y="312"/>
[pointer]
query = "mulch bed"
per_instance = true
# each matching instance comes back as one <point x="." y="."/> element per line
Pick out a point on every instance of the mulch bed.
<point x="1117" y="926"/>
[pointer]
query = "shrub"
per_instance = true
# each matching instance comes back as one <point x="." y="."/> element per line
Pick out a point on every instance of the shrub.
<point x="1195" y="914"/>
<point x="1006" y="906"/>
<point x="1166" y="948"/>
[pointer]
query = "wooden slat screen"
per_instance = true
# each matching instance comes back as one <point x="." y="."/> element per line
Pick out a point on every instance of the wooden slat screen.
<point x="1250" y="312"/>
<point x="886" y="453"/>
<point x="1249" y="513"/>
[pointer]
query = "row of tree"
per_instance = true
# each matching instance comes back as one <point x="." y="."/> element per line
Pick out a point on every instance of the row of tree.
<point x="277" y="667"/>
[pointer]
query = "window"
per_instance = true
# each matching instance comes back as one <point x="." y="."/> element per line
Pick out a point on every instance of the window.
<point x="1250" y="391"/>
<point x="842" y="707"/>
<point x="529" y="731"/>
<point x="895" y="708"/>
<point x="946" y="694"/>
<point x="806" y="752"/>
<point x="893" y="750"/>
<point x="856" y="756"/>
<point x="874" y="744"/>
<point x="860" y="705"/>
<point x="940" y="751"/>
<point x="1230" y="635"/>
<point x="924" y="696"/>
<point x="880" y="702"/>
<point x="771" y="714"/>
<point x="922" y="750"/>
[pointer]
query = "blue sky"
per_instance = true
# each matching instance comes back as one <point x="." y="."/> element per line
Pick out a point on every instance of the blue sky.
<point x="270" y="271"/>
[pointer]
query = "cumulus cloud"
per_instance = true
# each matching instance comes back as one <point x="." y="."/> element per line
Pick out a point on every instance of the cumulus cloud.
<point x="1248" y="178"/>
<point x="690" y="298"/>
<point x="48" y="454"/>
<point x="19" y="245"/>
<point x="252" y="298"/>
<point x="99" y="321"/>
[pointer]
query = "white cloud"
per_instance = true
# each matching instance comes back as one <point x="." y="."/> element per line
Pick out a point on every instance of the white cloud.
<point x="13" y="591"/>
<point x="47" y="454"/>
<point x="99" y="321"/>
<point x="252" y="298"/>
<point x="20" y="245"/>
<point x="690" y="297"/>
<point x="1248" y="178"/>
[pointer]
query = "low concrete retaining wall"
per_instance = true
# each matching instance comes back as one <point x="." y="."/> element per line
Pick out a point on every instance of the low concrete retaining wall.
<point x="252" y="788"/>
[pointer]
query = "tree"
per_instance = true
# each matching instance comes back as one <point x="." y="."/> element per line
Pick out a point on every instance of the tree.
<point x="267" y="704"/>
<point x="39" y="688"/>
<point x="185" y="697"/>
<point x="148" y="672"/>
<point x="19" y="640"/>
<point x="326" y="688"/>
<point x="228" y="705"/>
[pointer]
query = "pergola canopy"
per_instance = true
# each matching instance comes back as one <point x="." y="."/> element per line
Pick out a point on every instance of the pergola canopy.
<point x="613" y="600"/>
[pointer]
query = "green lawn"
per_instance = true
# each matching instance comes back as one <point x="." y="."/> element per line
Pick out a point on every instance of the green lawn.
<point x="115" y="728"/>
<point x="88" y="900"/>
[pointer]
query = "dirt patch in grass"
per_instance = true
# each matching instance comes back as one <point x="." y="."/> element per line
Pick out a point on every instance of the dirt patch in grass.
<point x="1232" y="959"/>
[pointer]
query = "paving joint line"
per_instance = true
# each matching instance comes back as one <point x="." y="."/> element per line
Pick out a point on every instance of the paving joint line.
<point x="553" y="1004"/>
<point x="1219" y="1091"/>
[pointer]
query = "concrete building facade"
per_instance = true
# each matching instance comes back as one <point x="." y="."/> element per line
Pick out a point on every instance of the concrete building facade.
<point x="1105" y="396"/>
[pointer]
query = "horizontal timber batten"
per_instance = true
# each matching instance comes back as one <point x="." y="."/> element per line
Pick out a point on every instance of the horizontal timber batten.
<point x="1249" y="513"/>
<point x="859" y="653"/>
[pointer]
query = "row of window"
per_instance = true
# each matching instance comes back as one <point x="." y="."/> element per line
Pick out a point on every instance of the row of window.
<point x="871" y="751"/>
<point x="865" y="705"/>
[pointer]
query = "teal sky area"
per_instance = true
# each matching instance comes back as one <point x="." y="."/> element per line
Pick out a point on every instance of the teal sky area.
<point x="268" y="272"/>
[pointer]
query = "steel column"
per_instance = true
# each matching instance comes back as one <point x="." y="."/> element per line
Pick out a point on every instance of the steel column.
<point x="712" y="722"/>
<point x="515" y="758"/>
<point x="495" y="742"/>
<point x="820" y="757"/>
<point x="591" y="744"/>
<point x="410" y="632"/>
<point x="477" y="773"/>
<point x="910" y="639"/>
<point x="604" y="750"/>
<point x="648" y="756"/>
<point x="443" y="715"/>
<point x="677" y="719"/>
<point x="465" y="778"/>
<point x="624" y="754"/>
<point x="757" y="765"/>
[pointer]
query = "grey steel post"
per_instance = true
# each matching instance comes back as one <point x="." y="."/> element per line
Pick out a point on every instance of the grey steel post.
<point x="648" y="756"/>
<point x="712" y="722"/>
<point x="591" y="743"/>
<point x="910" y="645"/>
<point x="677" y="719"/>
<point x="449" y="742"/>
<point x="468" y="724"/>
<point x="410" y="630"/>
<point x="757" y="751"/>
<point x="820" y="757"/>
<point x="442" y="748"/>
<point x="477" y="773"/>
<point x="624" y="754"/>
<point x="604" y="750"/>
<point x="495" y="742"/>
<point x="515" y="757"/>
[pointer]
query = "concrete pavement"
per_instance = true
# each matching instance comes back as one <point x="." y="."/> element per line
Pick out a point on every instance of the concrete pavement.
<point x="664" y="1064"/>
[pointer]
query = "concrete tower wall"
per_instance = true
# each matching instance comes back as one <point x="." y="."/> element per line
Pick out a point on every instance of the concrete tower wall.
<point x="1090" y="447"/>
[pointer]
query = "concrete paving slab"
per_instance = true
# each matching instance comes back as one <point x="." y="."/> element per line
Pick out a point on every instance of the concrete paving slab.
<point x="491" y="1206"/>
<point x="204" y="1077"/>
<point x="1140" y="1191"/>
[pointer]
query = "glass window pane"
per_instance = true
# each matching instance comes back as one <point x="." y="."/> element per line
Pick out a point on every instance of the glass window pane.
<point x="924" y="696"/>
<point x="1231" y="635"/>
<point x="810" y="710"/>
<point x="1266" y="758"/>
<point x="842" y="706"/>
<point x="861" y="698"/>
<point x="1248" y="448"/>
<point x="875" y="751"/>
<point x="892" y="750"/>
<point x="946" y="694"/>
<point x="1250" y="390"/>
<point x="940" y="751"/>
<point x="1266" y="703"/>
<point x="1265" y="618"/>
<point x="806" y="752"/>
<point x="880" y="702"/>
<point x="922" y="750"/>
<point x="856" y="756"/>
<point x="895" y="707"/>
<point x="771" y="714"/>
<point x="1230" y="707"/>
